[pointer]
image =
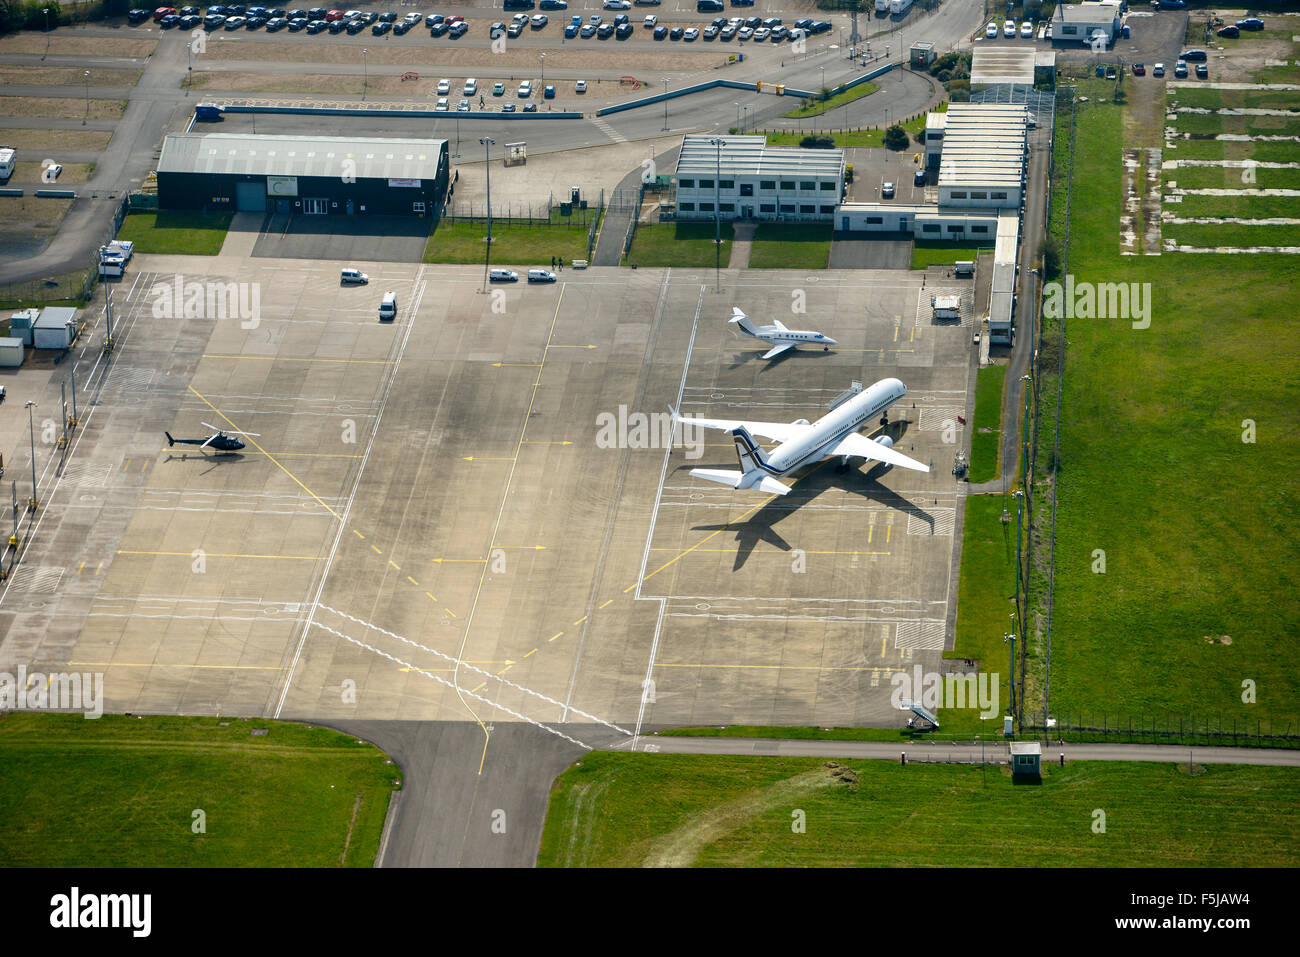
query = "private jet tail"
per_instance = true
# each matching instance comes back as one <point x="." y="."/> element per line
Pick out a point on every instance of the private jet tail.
<point x="170" y="441"/>
<point x="753" y="474"/>
<point x="744" y="321"/>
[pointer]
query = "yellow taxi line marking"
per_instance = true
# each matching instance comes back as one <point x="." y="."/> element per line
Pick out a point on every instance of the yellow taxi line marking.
<point x="581" y="620"/>
<point x="554" y="636"/>
<point x="676" y="664"/>
<point x="376" y="550"/>
<point x="431" y="595"/>
<point x="529" y="653"/>
<point x="301" y="558"/>
<point x="608" y="602"/>
<point x="149" y="664"/>
<point x="412" y="581"/>
<point x="450" y="612"/>
<point x="395" y="565"/>
<point x="358" y="535"/>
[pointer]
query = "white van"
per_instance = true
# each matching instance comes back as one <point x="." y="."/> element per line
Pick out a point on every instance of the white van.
<point x="503" y="275"/>
<point x="388" y="306"/>
<point x="353" y="277"/>
<point x="541" y="275"/>
<point x="963" y="268"/>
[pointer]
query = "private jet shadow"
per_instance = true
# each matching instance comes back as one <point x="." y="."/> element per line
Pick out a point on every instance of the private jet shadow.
<point x="815" y="480"/>
<point x="744" y="358"/>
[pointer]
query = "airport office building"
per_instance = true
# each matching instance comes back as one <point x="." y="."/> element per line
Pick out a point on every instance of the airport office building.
<point x="311" y="175"/>
<point x="748" y="179"/>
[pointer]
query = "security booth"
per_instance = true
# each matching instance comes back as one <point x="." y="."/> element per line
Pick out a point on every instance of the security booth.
<point x="1026" y="759"/>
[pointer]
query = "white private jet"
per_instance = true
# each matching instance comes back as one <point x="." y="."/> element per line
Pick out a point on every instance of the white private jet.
<point x="801" y="441"/>
<point x="778" y="336"/>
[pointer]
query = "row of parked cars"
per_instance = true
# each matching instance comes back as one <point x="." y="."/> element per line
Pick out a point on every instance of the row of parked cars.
<point x="316" y="20"/>
<point x="1009" y="29"/>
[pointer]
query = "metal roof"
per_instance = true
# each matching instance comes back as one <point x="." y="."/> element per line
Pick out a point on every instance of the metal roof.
<point x="247" y="154"/>
<point x="983" y="145"/>
<point x="1104" y="12"/>
<point x="751" y="156"/>
<point x="992" y="66"/>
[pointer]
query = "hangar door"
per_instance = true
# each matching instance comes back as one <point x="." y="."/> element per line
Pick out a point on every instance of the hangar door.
<point x="250" y="197"/>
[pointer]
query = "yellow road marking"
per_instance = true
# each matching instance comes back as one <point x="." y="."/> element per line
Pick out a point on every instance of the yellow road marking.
<point x="80" y="567"/>
<point x="300" y="558"/>
<point x="358" y="535"/>
<point x="608" y="602"/>
<point x="412" y="581"/>
<point x="149" y="664"/>
<point x="470" y="561"/>
<point x="395" y="565"/>
<point x="253" y="443"/>
<point x="450" y="612"/>
<point x="581" y="620"/>
<point x="554" y="636"/>
<point x="321" y="455"/>
<point x="367" y="362"/>
<point x="376" y="550"/>
<point x="529" y="653"/>
<point x="675" y="664"/>
<point x="771" y="553"/>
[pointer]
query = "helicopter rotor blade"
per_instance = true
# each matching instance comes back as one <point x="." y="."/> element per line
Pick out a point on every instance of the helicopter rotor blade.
<point x="208" y="442"/>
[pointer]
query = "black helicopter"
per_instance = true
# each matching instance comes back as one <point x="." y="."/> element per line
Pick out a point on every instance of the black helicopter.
<point x="219" y="442"/>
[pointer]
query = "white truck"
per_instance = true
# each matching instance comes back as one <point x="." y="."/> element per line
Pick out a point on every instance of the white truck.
<point x="945" y="307"/>
<point x="7" y="162"/>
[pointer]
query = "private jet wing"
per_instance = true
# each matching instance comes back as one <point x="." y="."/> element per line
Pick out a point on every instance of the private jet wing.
<point x="866" y="448"/>
<point x="776" y="431"/>
<point x="776" y="351"/>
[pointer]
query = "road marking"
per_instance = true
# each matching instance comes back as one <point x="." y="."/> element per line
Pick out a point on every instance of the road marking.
<point x="412" y="581"/>
<point x="431" y="595"/>
<point x="676" y="664"/>
<point x="554" y="636"/>
<point x="154" y="664"/>
<point x="581" y="620"/>
<point x="608" y="602"/>
<point x="369" y="362"/>
<point x="301" y="558"/>
<point x="395" y="565"/>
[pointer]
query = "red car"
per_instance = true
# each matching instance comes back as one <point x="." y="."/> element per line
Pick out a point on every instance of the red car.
<point x="1139" y="69"/>
<point x="452" y="21"/>
<point x="163" y="12"/>
<point x="333" y="15"/>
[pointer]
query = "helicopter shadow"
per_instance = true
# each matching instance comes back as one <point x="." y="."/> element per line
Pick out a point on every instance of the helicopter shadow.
<point x="215" y="459"/>
<point x="816" y="479"/>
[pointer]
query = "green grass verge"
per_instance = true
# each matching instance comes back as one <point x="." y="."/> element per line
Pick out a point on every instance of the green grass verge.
<point x="791" y="246"/>
<point x="176" y="231"/>
<point x="853" y="138"/>
<point x="631" y="810"/>
<point x="678" y="244"/>
<point x="1192" y="521"/>
<point x="986" y="438"/>
<point x="121" y="792"/>
<point x="796" y="732"/>
<point x="1242" y="207"/>
<point x="517" y="244"/>
<point x="1231" y="234"/>
<point x="816" y="107"/>
<point x="927" y="253"/>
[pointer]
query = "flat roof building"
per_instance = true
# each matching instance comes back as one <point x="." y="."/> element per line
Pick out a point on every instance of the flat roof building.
<point x="1079" y="23"/>
<point x="303" y="174"/>
<point x="983" y="159"/>
<point x="748" y="179"/>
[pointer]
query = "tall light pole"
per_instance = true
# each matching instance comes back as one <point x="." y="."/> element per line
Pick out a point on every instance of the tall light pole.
<point x="487" y="142"/>
<point x="47" y="32"/>
<point x="665" y="103"/>
<point x="543" y="66"/>
<point x="717" y="142"/>
<point x="86" y="81"/>
<point x="737" y="116"/>
<point x="364" y="74"/>
<point x="31" y="426"/>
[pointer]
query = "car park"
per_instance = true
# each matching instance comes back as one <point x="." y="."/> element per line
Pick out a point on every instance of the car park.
<point x="539" y="21"/>
<point x="1139" y="69"/>
<point x="442" y="104"/>
<point x="580" y="86"/>
<point x="503" y="275"/>
<point x="1202" y="71"/>
<point x="1027" y="30"/>
<point x="1250" y="23"/>
<point x="887" y="190"/>
<point x="660" y="33"/>
<point x="541" y="275"/>
<point x="1158" y="70"/>
<point x="498" y="89"/>
<point x="1230" y="31"/>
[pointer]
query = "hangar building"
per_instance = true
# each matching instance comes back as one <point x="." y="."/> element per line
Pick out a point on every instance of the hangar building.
<point x="749" y="179"/>
<point x="313" y="175"/>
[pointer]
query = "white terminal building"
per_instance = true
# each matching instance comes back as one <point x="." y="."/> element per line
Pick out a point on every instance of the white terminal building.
<point x="981" y="153"/>
<point x="745" y="178"/>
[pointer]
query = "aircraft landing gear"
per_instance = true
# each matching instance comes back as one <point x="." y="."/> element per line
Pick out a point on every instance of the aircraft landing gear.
<point x="884" y="421"/>
<point x="843" y="464"/>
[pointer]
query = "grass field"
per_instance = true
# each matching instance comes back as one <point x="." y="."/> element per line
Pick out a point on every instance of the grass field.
<point x="176" y="231"/>
<point x="817" y="107"/>
<point x="67" y="76"/>
<point x="845" y="140"/>
<point x="513" y="243"/>
<point x="791" y="246"/>
<point x="929" y="253"/>
<point x="61" y="107"/>
<point x="986" y="437"/>
<point x="678" y="244"/>
<point x="1192" y="521"/>
<point x="121" y="792"/>
<point x="636" y="810"/>
<point x="73" y="174"/>
<point x="43" y="139"/>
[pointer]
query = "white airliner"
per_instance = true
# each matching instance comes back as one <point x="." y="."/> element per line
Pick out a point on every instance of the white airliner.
<point x="801" y="441"/>
<point x="778" y="336"/>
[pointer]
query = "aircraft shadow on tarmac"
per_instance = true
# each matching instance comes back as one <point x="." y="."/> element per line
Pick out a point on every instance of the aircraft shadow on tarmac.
<point x="214" y="459"/>
<point x="790" y="355"/>
<point x="815" y="480"/>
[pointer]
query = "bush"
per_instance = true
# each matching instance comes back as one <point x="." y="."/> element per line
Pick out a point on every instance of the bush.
<point x="818" y="142"/>
<point x="896" y="138"/>
<point x="1049" y="251"/>
<point x="959" y="96"/>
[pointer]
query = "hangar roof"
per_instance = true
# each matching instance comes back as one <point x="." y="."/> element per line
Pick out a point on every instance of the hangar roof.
<point x="751" y="156"/>
<point x="983" y="145"/>
<point x="247" y="154"/>
<point x="1002" y="65"/>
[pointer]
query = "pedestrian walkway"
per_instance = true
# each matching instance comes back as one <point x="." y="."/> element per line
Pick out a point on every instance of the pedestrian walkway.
<point x="242" y="235"/>
<point x="741" y="245"/>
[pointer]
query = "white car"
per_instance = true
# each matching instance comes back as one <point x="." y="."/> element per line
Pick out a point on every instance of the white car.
<point x="442" y="104"/>
<point x="1009" y="29"/>
<point x="541" y="275"/>
<point x="462" y="106"/>
<point x="1027" y="30"/>
<point x="444" y="87"/>
<point x="744" y="34"/>
<point x="760" y="34"/>
<point x="503" y="275"/>
<point x="651" y="22"/>
<point x="617" y="4"/>
<point x="52" y="172"/>
<point x="539" y="20"/>
<point x="525" y="89"/>
<point x="471" y="87"/>
<point x="580" y="86"/>
<point x="991" y="31"/>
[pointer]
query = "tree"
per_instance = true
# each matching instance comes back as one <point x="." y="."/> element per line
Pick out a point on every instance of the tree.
<point x="818" y="142"/>
<point x="896" y="138"/>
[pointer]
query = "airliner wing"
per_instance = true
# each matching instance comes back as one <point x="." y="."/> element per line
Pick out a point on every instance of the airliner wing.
<point x="866" y="448"/>
<point x="776" y="351"/>
<point x="776" y="431"/>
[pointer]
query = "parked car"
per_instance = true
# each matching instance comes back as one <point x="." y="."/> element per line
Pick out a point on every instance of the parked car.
<point x="676" y="33"/>
<point x="442" y="104"/>
<point x="458" y="29"/>
<point x="471" y="87"/>
<point x="462" y="106"/>
<point x="525" y="89"/>
<point x="548" y="92"/>
<point x="137" y="16"/>
<point x="353" y="277"/>
<point x="1230" y="31"/>
<point x="588" y="31"/>
<point x="887" y="190"/>
<point x="991" y="31"/>
<point x="507" y="107"/>
<point x="438" y="29"/>
<point x="1180" y="70"/>
<point x="1158" y="70"/>
<point x="553" y="5"/>
<point x="380" y="28"/>
<point x="539" y="21"/>
<point x="1139" y="69"/>
<point x="617" y="5"/>
<point x="496" y="30"/>
<point x="1202" y="71"/>
<point x="541" y="275"/>
<point x="691" y="35"/>
<point x="651" y="22"/>
<point x="623" y="31"/>
<point x="1027" y="30"/>
<point x="744" y="33"/>
<point x="530" y="107"/>
<point x="1009" y="29"/>
<point x="605" y="31"/>
<point x="1173" y="4"/>
<point x="503" y="275"/>
<point x="498" y="89"/>
<point x="1250" y="23"/>
<point x="710" y="33"/>
<point x="571" y="30"/>
<point x="660" y="33"/>
<point x="919" y="178"/>
<point x="433" y="18"/>
<point x="580" y="86"/>
<point x="516" y="28"/>
<point x="1194" y="56"/>
<point x="444" y="87"/>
